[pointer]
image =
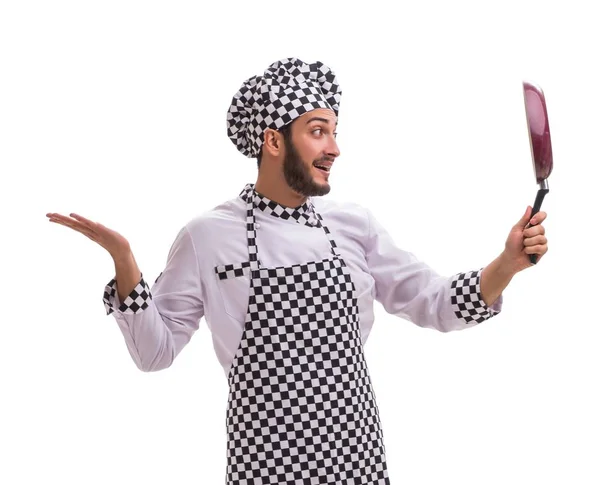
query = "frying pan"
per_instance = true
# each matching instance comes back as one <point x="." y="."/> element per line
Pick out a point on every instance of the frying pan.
<point x="539" y="142"/>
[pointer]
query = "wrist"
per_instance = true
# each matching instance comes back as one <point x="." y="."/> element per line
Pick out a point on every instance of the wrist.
<point x="505" y="265"/>
<point x="122" y="258"/>
<point x="495" y="277"/>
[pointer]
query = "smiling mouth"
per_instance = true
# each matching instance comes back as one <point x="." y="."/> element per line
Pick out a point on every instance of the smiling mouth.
<point x="322" y="168"/>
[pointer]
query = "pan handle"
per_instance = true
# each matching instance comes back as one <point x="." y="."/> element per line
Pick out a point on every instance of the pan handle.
<point x="536" y="208"/>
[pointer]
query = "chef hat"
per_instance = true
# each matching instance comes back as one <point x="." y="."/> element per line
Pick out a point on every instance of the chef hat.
<point x="288" y="89"/>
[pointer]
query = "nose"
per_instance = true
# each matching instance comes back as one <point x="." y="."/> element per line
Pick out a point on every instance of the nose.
<point x="333" y="149"/>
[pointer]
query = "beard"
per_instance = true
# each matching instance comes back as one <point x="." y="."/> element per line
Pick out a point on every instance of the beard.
<point x="298" y="176"/>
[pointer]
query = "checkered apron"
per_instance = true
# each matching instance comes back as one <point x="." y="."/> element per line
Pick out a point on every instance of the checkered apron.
<point x="301" y="409"/>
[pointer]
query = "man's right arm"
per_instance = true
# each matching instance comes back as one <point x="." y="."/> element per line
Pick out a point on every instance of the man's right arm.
<point x="157" y="323"/>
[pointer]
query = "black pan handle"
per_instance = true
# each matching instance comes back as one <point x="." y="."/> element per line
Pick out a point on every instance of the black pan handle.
<point x="536" y="208"/>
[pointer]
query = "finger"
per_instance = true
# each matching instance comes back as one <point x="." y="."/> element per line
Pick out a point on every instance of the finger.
<point x="525" y="218"/>
<point x="83" y="220"/>
<point x="534" y="241"/>
<point x="60" y="220"/>
<point x="541" y="254"/>
<point x="537" y="249"/>
<point x="534" y="231"/>
<point x="538" y="218"/>
<point x="65" y="221"/>
<point x="70" y="223"/>
<point x="54" y="215"/>
<point x="72" y="218"/>
<point x="59" y="217"/>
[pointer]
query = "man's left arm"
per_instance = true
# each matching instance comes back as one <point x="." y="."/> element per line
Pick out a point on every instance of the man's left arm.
<point x="410" y="289"/>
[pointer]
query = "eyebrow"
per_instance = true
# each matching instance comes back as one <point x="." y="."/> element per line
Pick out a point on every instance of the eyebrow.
<point x="316" y="118"/>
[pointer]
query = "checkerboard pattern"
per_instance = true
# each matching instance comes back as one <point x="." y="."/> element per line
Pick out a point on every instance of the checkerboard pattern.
<point x="466" y="299"/>
<point x="305" y="214"/>
<point x="301" y="406"/>
<point x="225" y="271"/>
<point x="136" y="302"/>
<point x="287" y="89"/>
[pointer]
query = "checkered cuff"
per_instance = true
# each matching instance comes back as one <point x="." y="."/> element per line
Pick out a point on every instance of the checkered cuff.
<point x="136" y="302"/>
<point x="467" y="302"/>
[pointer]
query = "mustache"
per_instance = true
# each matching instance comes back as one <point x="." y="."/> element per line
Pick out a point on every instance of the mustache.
<point x="324" y="159"/>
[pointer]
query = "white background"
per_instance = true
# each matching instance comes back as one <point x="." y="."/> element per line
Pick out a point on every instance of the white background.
<point x="116" y="110"/>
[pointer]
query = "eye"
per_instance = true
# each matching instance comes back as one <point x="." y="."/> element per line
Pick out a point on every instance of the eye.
<point x="318" y="131"/>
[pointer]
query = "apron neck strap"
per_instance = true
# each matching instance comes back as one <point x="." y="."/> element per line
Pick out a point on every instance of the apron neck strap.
<point x="251" y="235"/>
<point x="328" y="233"/>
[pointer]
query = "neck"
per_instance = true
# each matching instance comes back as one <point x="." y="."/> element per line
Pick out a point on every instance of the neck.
<point x="277" y="190"/>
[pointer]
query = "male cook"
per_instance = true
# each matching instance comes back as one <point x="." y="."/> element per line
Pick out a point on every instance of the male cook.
<point x="286" y="282"/>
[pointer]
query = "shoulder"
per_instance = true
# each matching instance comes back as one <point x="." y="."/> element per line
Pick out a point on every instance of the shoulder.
<point x="215" y="234"/>
<point x="342" y="209"/>
<point x="350" y="218"/>
<point x="215" y="223"/>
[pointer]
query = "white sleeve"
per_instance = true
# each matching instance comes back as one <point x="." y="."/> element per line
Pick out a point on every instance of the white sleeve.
<point x="157" y="323"/>
<point x="410" y="289"/>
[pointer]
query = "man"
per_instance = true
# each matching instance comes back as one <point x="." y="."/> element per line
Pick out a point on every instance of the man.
<point x="286" y="282"/>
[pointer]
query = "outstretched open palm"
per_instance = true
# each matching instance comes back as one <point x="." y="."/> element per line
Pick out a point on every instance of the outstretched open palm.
<point x="110" y="240"/>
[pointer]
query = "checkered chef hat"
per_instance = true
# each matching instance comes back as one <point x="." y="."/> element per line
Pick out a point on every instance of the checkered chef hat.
<point x="288" y="89"/>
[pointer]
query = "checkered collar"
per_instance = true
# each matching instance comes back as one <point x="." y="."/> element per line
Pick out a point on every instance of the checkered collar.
<point x="304" y="214"/>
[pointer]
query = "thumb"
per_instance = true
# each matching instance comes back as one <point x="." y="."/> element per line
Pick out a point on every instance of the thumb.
<point x="526" y="217"/>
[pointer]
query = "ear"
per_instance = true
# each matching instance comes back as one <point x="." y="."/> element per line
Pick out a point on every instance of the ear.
<point x="273" y="143"/>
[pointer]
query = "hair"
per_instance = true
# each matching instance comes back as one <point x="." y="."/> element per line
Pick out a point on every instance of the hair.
<point x="287" y="137"/>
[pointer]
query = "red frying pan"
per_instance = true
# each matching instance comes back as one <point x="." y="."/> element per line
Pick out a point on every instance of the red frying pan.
<point x="540" y="143"/>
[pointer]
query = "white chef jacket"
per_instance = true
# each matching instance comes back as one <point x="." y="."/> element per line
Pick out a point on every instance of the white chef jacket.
<point x="158" y="322"/>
